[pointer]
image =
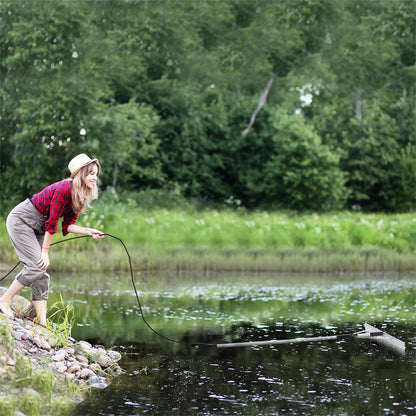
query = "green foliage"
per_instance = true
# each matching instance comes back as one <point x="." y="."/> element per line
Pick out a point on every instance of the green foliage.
<point x="128" y="145"/>
<point x="160" y="92"/>
<point x="297" y="171"/>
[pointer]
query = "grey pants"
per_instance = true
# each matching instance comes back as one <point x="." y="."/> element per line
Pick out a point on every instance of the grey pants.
<point x="24" y="225"/>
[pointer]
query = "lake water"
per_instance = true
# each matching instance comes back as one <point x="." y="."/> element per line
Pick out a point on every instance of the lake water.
<point x="343" y="377"/>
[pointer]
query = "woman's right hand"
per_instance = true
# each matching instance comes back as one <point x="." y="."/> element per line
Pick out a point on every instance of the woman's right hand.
<point x="44" y="260"/>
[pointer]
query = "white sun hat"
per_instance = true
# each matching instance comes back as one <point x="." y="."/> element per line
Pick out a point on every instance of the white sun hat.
<point x="79" y="161"/>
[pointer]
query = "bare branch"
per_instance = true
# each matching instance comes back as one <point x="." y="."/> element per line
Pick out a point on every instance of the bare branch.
<point x="262" y="101"/>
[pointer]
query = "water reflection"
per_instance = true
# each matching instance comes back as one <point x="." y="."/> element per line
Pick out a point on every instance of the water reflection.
<point x="345" y="377"/>
<point x="348" y="376"/>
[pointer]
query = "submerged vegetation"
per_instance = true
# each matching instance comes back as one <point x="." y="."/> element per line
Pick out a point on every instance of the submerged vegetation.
<point x="234" y="239"/>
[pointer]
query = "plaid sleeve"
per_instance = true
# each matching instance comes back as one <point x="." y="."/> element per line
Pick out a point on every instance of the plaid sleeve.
<point x="60" y="196"/>
<point x="69" y="218"/>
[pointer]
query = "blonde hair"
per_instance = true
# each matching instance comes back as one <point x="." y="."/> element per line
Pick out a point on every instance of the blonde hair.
<point x="82" y="196"/>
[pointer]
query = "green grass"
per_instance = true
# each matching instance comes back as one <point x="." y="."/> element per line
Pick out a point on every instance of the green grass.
<point x="234" y="240"/>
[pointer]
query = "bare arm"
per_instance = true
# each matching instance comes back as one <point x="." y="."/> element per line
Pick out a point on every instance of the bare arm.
<point x="73" y="228"/>
<point x="76" y="229"/>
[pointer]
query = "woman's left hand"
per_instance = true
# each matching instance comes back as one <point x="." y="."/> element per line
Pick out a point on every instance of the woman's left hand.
<point x="95" y="233"/>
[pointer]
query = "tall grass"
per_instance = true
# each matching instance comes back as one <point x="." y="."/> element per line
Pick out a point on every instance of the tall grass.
<point x="231" y="238"/>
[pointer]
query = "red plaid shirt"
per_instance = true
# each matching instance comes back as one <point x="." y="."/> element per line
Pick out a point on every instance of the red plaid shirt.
<point x="55" y="202"/>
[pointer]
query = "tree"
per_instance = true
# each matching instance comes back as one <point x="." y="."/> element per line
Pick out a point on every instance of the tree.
<point x="43" y="97"/>
<point x="294" y="170"/>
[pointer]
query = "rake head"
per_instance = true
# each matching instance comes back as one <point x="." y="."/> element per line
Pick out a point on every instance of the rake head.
<point x="386" y="340"/>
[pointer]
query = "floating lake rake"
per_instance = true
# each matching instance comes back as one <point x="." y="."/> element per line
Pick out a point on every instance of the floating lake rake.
<point x="369" y="331"/>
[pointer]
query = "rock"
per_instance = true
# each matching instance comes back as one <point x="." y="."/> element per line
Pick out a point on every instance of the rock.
<point x="17" y="322"/>
<point x="41" y="343"/>
<point x="20" y="305"/>
<point x="73" y="368"/>
<point x="16" y="335"/>
<point x="97" y="382"/>
<point x="32" y="393"/>
<point x="53" y="341"/>
<point x="34" y="342"/>
<point x="10" y="361"/>
<point x="60" y="367"/>
<point x="104" y="361"/>
<point x="69" y="350"/>
<point x="18" y="413"/>
<point x="59" y="355"/>
<point x="95" y="367"/>
<point x="81" y="359"/>
<point x="114" y="355"/>
<point x="85" y="346"/>
<point x="86" y="373"/>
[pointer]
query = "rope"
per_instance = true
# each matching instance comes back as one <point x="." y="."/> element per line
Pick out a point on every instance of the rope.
<point x="131" y="276"/>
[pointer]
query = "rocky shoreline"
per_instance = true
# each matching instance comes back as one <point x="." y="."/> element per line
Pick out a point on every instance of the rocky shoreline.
<point x="78" y="362"/>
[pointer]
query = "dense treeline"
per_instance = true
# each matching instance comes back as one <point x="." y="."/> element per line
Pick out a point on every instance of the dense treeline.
<point x="162" y="91"/>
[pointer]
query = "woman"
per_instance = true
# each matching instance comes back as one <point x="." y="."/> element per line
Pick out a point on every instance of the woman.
<point x="32" y="224"/>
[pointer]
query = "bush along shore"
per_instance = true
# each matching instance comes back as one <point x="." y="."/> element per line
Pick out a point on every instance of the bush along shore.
<point x="42" y="374"/>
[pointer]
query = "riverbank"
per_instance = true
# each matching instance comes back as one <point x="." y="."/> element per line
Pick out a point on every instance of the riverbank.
<point x="40" y="374"/>
<point x="233" y="240"/>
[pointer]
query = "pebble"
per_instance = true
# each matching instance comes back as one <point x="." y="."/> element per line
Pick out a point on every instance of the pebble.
<point x="81" y="359"/>
<point x="98" y="382"/>
<point x="60" y="367"/>
<point x="59" y="355"/>
<point x="41" y="343"/>
<point x="73" y="368"/>
<point x="86" y="373"/>
<point x="96" y="367"/>
<point x="17" y="335"/>
<point x="10" y="361"/>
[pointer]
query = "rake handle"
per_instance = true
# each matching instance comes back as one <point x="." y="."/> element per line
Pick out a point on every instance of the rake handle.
<point x="293" y="340"/>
